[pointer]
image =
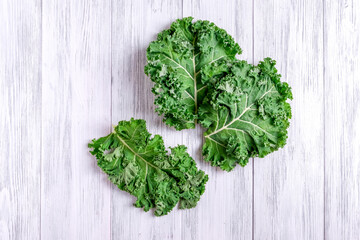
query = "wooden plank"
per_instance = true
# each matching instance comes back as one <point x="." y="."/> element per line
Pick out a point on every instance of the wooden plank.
<point x="76" y="108"/>
<point x="134" y="25"/>
<point x="288" y="184"/>
<point x="342" y="114"/>
<point x="52" y="120"/>
<point x="20" y="119"/>
<point x="225" y="211"/>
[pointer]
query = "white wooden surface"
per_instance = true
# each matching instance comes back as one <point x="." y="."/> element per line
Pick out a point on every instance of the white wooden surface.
<point x="289" y="184"/>
<point x="70" y="69"/>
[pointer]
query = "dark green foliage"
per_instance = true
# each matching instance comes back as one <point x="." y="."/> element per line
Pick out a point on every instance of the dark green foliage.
<point x="198" y="78"/>
<point x="140" y="165"/>
<point x="245" y="113"/>
<point x="177" y="62"/>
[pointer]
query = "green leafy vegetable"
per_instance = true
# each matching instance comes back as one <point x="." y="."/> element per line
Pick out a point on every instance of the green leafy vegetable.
<point x="246" y="114"/>
<point x="198" y="78"/>
<point x="181" y="63"/>
<point x="140" y="165"/>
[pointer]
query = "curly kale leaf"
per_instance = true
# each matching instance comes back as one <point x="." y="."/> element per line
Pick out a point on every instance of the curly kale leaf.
<point x="246" y="114"/>
<point x="181" y="63"/>
<point x="140" y="165"/>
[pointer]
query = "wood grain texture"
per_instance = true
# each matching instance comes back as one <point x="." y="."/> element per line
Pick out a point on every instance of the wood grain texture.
<point x="70" y="69"/>
<point x="288" y="184"/>
<point x="342" y="125"/>
<point x="20" y="119"/>
<point x="76" y="99"/>
<point x="225" y="212"/>
<point x="134" y="25"/>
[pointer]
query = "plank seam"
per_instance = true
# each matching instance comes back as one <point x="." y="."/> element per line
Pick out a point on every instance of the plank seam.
<point x="324" y="123"/>
<point x="111" y="117"/>
<point x="253" y="165"/>
<point x="41" y="116"/>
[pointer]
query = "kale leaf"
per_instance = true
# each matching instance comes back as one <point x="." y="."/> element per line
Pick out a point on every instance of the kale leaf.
<point x="245" y="113"/>
<point x="140" y="165"/>
<point x="180" y="62"/>
<point x="198" y="78"/>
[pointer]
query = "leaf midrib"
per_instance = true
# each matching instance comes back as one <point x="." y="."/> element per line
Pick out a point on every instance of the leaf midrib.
<point x="247" y="108"/>
<point x="194" y="98"/>
<point x="126" y="145"/>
